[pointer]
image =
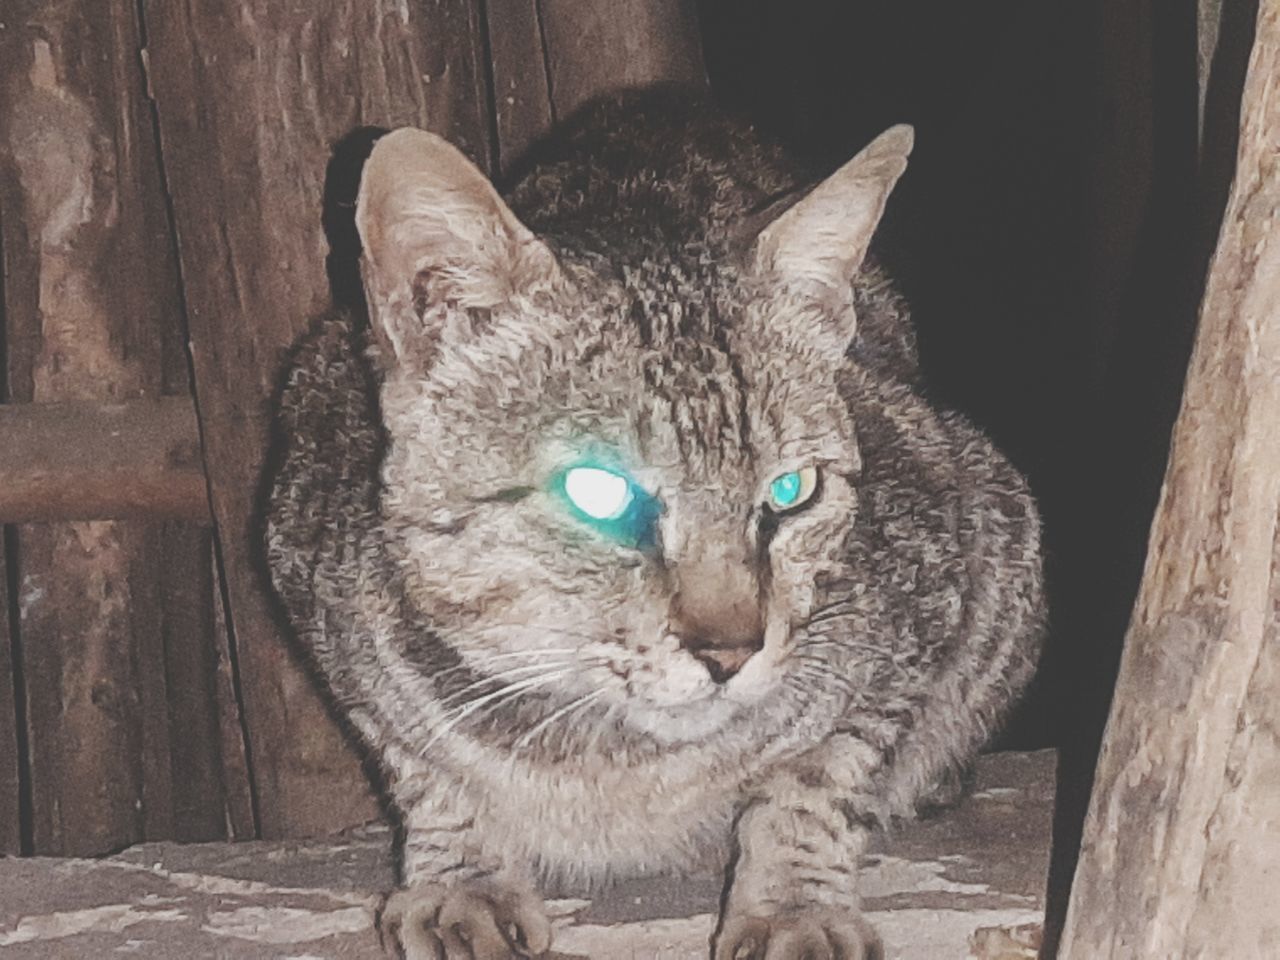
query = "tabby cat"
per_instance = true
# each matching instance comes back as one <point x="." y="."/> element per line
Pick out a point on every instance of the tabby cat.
<point x="624" y="536"/>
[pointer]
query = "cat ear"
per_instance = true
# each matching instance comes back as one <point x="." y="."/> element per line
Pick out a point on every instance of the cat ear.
<point x="437" y="238"/>
<point x="822" y="239"/>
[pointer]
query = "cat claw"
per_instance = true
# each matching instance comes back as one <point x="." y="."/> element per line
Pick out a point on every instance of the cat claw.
<point x="432" y="922"/>
<point x="798" y="935"/>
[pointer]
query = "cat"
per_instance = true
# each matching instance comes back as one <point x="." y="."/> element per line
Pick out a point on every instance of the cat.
<point x="624" y="536"/>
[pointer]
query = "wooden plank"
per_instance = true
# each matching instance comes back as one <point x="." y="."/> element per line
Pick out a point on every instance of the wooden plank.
<point x="10" y="789"/>
<point x="196" y="746"/>
<point x="550" y="56"/>
<point x="521" y="95"/>
<point x="101" y="461"/>
<point x="1183" y="833"/>
<point x="252" y="97"/>
<point x="92" y="311"/>
<point x="593" y="47"/>
<point x="239" y="803"/>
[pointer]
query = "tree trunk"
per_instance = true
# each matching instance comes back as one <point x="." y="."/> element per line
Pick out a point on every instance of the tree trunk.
<point x="1183" y="833"/>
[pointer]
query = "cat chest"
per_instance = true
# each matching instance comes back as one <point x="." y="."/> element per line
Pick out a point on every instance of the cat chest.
<point x="591" y="823"/>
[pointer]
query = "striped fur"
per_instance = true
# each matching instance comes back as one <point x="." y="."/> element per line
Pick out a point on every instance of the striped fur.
<point x="514" y="672"/>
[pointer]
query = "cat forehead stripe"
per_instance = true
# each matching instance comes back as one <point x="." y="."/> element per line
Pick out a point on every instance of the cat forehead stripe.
<point x="697" y="382"/>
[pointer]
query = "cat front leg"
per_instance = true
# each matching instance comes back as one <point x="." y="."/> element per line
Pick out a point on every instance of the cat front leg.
<point x="459" y="901"/>
<point x="794" y="891"/>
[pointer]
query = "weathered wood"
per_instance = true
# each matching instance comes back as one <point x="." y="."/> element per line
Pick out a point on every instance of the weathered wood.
<point x="92" y="317"/>
<point x="521" y="96"/>
<point x="239" y="802"/>
<point x="10" y="805"/>
<point x="592" y="47"/>
<point x="1184" y="828"/>
<point x="549" y="56"/>
<point x="252" y="96"/>
<point x="101" y="461"/>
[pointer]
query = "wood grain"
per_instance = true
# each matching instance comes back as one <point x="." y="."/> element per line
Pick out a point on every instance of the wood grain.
<point x="592" y="47"/>
<point x="252" y="98"/>
<point x="1184" y="828"/>
<point x="10" y="805"/>
<point x="93" y="317"/>
<point x="522" y="105"/>
<point x="101" y="461"/>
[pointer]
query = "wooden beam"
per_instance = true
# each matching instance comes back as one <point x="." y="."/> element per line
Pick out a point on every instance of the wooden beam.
<point x="101" y="461"/>
<point x="1183" y="834"/>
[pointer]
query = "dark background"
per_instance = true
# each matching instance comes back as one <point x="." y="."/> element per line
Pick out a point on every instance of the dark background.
<point x="1052" y="233"/>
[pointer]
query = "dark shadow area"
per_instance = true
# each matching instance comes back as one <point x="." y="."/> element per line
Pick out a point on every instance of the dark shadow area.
<point x="26" y="823"/>
<point x="1052" y="234"/>
<point x="338" y="216"/>
<point x="9" y="593"/>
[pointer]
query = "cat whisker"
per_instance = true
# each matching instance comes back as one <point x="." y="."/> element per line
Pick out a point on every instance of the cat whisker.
<point x="485" y="659"/>
<point x="492" y="700"/>
<point x="541" y="631"/>
<point x="526" y="738"/>
<point x="503" y="674"/>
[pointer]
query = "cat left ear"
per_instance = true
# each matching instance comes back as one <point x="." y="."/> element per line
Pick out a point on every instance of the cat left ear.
<point x="821" y="240"/>
<point x="437" y="237"/>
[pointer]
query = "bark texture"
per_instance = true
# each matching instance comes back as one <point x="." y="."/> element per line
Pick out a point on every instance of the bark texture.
<point x="1183" y="835"/>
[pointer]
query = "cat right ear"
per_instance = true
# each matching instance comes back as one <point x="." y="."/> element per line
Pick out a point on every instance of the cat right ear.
<point x="820" y="241"/>
<point x="437" y="240"/>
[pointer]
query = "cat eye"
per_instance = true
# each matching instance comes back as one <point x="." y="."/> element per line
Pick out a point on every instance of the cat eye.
<point x="612" y="503"/>
<point x="600" y="494"/>
<point x="793" y="489"/>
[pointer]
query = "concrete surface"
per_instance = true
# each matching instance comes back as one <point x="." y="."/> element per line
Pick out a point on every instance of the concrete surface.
<point x="967" y="883"/>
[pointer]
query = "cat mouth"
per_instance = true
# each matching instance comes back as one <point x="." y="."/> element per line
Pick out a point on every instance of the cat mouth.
<point x="723" y="663"/>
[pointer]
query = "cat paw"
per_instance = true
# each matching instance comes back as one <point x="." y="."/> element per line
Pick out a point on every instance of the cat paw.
<point x="798" y="935"/>
<point x="478" y="922"/>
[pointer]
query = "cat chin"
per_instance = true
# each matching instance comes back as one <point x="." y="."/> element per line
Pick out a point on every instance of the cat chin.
<point x="677" y="725"/>
<point x="713" y="708"/>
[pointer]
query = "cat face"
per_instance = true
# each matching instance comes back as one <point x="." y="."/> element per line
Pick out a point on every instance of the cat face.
<point x="614" y="487"/>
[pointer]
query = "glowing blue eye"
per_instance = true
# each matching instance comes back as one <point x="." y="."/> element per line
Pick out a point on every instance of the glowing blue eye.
<point x="600" y="494"/>
<point x="793" y="488"/>
<point x="785" y="489"/>
<point x="612" y="503"/>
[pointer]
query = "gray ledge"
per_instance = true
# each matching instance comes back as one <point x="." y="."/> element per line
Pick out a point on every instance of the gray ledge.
<point x="966" y="883"/>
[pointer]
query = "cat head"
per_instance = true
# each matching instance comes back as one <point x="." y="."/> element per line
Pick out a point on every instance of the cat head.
<point x="615" y="476"/>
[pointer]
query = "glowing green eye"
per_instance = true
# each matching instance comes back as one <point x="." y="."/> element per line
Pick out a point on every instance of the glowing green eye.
<point x="793" y="488"/>
<point x="600" y="494"/>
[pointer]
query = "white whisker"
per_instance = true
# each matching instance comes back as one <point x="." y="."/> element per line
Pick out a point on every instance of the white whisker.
<point x="502" y="674"/>
<point x="504" y="693"/>
<point x="529" y="735"/>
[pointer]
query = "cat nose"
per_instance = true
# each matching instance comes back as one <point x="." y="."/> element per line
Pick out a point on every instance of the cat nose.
<point x="721" y="662"/>
<point x="716" y="616"/>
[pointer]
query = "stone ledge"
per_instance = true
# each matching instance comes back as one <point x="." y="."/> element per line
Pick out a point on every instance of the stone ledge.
<point x="968" y="883"/>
